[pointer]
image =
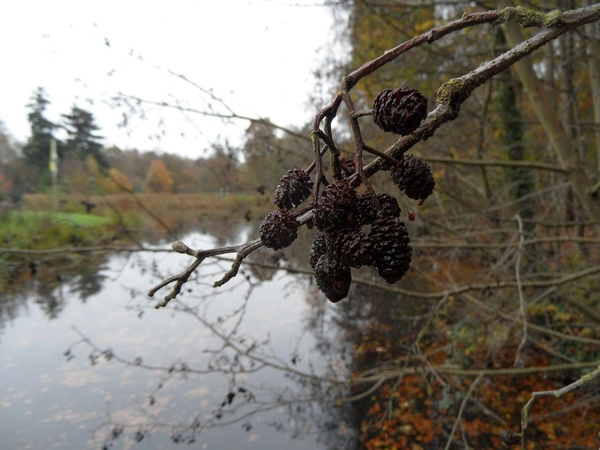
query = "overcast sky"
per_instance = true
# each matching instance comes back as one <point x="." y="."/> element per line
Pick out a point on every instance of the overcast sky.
<point x="258" y="55"/>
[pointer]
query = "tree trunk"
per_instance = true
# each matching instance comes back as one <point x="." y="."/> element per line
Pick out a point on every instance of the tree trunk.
<point x="593" y="60"/>
<point x="564" y="148"/>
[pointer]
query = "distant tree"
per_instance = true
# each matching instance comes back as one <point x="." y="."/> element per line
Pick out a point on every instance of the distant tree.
<point x="159" y="178"/>
<point x="87" y="177"/>
<point x="188" y="174"/>
<point x="7" y="155"/>
<point x="79" y="176"/>
<point x="82" y="142"/>
<point x="37" y="149"/>
<point x="267" y="156"/>
<point x="115" y="182"/>
<point x="219" y="172"/>
<point x="133" y="163"/>
<point x="8" y="148"/>
<point x="16" y="176"/>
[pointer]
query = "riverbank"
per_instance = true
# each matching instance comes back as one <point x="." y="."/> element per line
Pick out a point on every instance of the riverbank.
<point x="205" y="204"/>
<point x="94" y="219"/>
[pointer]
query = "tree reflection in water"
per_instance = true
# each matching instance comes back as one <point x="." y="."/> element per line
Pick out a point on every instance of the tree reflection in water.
<point x="43" y="279"/>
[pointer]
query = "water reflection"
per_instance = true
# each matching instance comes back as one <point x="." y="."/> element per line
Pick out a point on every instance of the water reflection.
<point x="262" y="362"/>
<point x="88" y="362"/>
<point x="44" y="281"/>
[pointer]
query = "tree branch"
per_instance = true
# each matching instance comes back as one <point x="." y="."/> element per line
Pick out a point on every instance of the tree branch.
<point x="497" y="163"/>
<point x="450" y="96"/>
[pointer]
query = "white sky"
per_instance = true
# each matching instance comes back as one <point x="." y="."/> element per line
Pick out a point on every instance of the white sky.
<point x="258" y="55"/>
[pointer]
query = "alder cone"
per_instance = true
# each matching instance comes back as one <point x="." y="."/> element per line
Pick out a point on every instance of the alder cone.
<point x="349" y="165"/>
<point x="278" y="229"/>
<point x="399" y="110"/>
<point x="337" y="208"/>
<point x="368" y="208"/>
<point x="391" y="250"/>
<point x="350" y="247"/>
<point x="333" y="278"/>
<point x="510" y="438"/>
<point x="293" y="188"/>
<point x="318" y="248"/>
<point x="413" y="176"/>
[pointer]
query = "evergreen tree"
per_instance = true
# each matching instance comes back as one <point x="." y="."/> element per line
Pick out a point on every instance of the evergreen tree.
<point x="82" y="142"/>
<point x="37" y="149"/>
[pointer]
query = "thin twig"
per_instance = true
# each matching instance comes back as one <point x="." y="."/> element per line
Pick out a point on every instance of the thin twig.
<point x="244" y="251"/>
<point x="556" y="393"/>
<point x="462" y="408"/>
<point x="200" y="255"/>
<point x="518" y="359"/>
<point x="497" y="163"/>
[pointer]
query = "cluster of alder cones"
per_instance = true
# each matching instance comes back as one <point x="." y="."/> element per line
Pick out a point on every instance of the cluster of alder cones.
<point x="356" y="230"/>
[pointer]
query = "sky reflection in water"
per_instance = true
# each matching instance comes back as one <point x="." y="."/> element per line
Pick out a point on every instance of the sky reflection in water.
<point x="48" y="400"/>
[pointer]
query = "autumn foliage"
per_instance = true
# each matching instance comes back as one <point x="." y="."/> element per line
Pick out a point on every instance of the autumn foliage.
<point x="430" y="367"/>
<point x="159" y="178"/>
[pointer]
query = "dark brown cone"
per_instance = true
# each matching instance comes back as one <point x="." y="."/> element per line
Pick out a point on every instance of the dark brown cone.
<point x="333" y="278"/>
<point x="293" y="188"/>
<point x="318" y="248"/>
<point x="336" y="208"/>
<point x="400" y="110"/>
<point x="413" y="176"/>
<point x="391" y="250"/>
<point x="510" y="438"/>
<point x="350" y="247"/>
<point x="368" y="208"/>
<point x="348" y="165"/>
<point x="278" y="229"/>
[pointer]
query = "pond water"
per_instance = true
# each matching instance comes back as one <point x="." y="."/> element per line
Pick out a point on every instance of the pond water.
<point x="87" y="362"/>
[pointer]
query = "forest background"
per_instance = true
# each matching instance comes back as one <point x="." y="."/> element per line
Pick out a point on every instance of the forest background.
<point x="505" y="265"/>
<point x="85" y="167"/>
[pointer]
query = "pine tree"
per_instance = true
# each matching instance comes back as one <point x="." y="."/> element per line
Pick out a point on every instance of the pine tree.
<point x="37" y="149"/>
<point x="82" y="142"/>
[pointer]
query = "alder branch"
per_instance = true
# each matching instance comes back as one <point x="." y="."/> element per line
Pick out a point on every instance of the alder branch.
<point x="200" y="255"/>
<point x="450" y="96"/>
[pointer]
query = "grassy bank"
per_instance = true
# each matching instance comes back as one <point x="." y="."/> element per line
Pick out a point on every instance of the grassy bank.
<point x="45" y="229"/>
<point x="162" y="205"/>
<point x="120" y="214"/>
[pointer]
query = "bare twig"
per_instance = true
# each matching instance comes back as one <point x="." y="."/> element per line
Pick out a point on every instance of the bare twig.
<point x="200" y="255"/>
<point x="555" y="393"/>
<point x="462" y="408"/>
<point x="230" y="115"/>
<point x="518" y="359"/>
<point x="497" y="163"/>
